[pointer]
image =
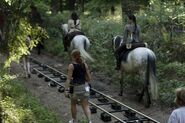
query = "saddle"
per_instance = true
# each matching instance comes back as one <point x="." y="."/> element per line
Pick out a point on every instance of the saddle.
<point x="129" y="47"/>
<point x="71" y="35"/>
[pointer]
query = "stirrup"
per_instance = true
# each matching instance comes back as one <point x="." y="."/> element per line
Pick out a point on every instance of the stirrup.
<point x="128" y="45"/>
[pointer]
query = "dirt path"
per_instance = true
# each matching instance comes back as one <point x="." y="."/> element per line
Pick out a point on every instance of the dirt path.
<point x="56" y="101"/>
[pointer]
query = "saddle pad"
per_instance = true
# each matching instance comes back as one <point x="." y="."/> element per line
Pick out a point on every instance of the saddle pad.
<point x="73" y="34"/>
<point x="124" y="55"/>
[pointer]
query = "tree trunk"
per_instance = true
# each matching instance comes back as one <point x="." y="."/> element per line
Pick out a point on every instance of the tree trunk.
<point x="71" y="5"/>
<point x="55" y="6"/>
<point x="81" y="3"/>
<point x="123" y="9"/>
<point x="61" y="5"/>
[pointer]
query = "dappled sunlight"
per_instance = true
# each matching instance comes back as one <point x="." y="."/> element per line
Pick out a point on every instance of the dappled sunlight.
<point x="87" y="13"/>
<point x="9" y="77"/>
<point x="48" y="12"/>
<point x="9" y="2"/>
<point x="13" y="113"/>
<point x="116" y="18"/>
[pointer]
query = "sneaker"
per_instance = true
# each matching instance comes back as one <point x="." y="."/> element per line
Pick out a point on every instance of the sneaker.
<point x="72" y="121"/>
<point x="90" y="121"/>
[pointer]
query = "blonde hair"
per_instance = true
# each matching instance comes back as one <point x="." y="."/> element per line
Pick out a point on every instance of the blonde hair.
<point x="180" y="96"/>
<point x="77" y="56"/>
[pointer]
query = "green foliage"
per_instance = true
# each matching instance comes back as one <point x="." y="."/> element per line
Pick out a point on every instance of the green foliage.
<point x="170" y="76"/>
<point x="57" y="46"/>
<point x="18" y="106"/>
<point x="100" y="34"/>
<point x="172" y="70"/>
<point x="17" y="40"/>
<point x="99" y="8"/>
<point x="17" y="28"/>
<point x="157" y="22"/>
<point x="53" y="24"/>
<point x="167" y="88"/>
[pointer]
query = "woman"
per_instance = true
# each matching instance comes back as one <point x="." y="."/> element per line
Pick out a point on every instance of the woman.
<point x="74" y="28"/>
<point x="132" y="35"/>
<point x="178" y="115"/>
<point x="78" y="74"/>
<point x="74" y="23"/>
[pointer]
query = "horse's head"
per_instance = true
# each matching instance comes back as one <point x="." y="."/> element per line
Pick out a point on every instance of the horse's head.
<point x="116" y="42"/>
<point x="64" y="28"/>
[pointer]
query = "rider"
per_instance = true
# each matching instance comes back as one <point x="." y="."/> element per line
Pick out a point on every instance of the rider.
<point x="74" y="28"/>
<point x="131" y="37"/>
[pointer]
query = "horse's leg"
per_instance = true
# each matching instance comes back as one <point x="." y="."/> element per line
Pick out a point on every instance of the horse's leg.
<point x="147" y="97"/>
<point x="142" y="79"/>
<point x="28" y="67"/>
<point x="147" y="100"/>
<point x="25" y="65"/>
<point x="141" y="95"/>
<point x="121" y="83"/>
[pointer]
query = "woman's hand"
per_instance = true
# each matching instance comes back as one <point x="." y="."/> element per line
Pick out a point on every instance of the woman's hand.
<point x="66" y="94"/>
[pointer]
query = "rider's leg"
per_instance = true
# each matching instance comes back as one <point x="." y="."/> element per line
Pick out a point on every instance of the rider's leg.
<point x="117" y="54"/>
<point x="65" y="40"/>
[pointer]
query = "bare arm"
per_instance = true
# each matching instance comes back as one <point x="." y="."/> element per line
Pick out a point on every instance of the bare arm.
<point x="69" y="76"/>
<point x="88" y="73"/>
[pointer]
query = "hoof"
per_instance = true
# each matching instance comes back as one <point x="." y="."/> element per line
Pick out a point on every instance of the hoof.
<point x="29" y="76"/>
<point x="120" y="94"/>
<point x="147" y="105"/>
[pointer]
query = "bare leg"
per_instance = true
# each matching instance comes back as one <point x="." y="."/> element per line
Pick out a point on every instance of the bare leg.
<point x="74" y="109"/>
<point x="85" y="106"/>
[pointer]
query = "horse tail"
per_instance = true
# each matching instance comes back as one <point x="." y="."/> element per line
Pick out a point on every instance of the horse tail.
<point x="151" y="76"/>
<point x="83" y="50"/>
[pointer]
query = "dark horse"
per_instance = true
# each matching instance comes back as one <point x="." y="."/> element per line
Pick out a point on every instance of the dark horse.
<point x="139" y="61"/>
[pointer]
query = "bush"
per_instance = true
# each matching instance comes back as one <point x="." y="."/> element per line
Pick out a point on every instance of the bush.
<point x="167" y="91"/>
<point x="17" y="106"/>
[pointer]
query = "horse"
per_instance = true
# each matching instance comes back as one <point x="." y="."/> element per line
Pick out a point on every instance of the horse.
<point x="80" y="42"/>
<point x="140" y="61"/>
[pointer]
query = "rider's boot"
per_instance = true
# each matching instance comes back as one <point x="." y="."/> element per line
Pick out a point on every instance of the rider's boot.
<point x="118" y="63"/>
<point x="65" y="48"/>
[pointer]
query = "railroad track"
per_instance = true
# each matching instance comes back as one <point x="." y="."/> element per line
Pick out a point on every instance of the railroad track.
<point x="112" y="110"/>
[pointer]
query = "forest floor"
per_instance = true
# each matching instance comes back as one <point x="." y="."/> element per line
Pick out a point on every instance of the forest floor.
<point x="56" y="101"/>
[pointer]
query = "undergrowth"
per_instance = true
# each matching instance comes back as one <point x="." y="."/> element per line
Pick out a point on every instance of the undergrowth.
<point x="18" y="106"/>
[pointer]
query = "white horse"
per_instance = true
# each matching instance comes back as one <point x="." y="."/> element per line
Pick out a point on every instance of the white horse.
<point x="79" y="42"/>
<point x="139" y="61"/>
